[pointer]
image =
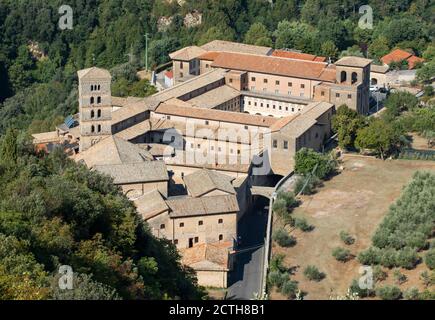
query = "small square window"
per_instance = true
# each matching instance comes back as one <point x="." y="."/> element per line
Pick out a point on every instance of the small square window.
<point x="231" y="80"/>
<point x="322" y="93"/>
<point x="196" y="239"/>
<point x="168" y="117"/>
<point x="302" y="86"/>
<point x="206" y="122"/>
<point x="349" y="96"/>
<point x="162" y="226"/>
<point x="181" y="224"/>
<point x="289" y="84"/>
<point x="277" y="82"/>
<point x="246" y="127"/>
<point x="337" y="95"/>
<point x="253" y="79"/>
<point x="265" y="80"/>
<point x="200" y="223"/>
<point x="221" y="221"/>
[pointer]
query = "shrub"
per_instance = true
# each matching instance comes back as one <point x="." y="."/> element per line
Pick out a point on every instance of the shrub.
<point x="379" y="274"/>
<point x="428" y="279"/>
<point x="283" y="239"/>
<point x="276" y="263"/>
<point x="313" y="274"/>
<point x="310" y="187"/>
<point x="399" y="277"/>
<point x="277" y="278"/>
<point x="389" y="293"/>
<point x="280" y="208"/>
<point x="356" y="289"/>
<point x="341" y="254"/>
<point x="346" y="238"/>
<point x="306" y="159"/>
<point x="371" y="256"/>
<point x="407" y="258"/>
<point x="411" y="294"/>
<point x="288" y="198"/>
<point x="429" y="259"/>
<point x="290" y="289"/>
<point x="302" y="224"/>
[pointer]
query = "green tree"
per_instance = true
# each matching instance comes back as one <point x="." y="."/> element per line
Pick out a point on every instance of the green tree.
<point x="258" y="35"/>
<point x="8" y="147"/>
<point x="379" y="47"/>
<point x="346" y="122"/>
<point x="329" y="49"/>
<point x="380" y="136"/>
<point x="307" y="159"/>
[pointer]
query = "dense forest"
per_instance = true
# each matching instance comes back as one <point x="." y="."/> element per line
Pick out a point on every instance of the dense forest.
<point x="55" y="212"/>
<point x="38" y="60"/>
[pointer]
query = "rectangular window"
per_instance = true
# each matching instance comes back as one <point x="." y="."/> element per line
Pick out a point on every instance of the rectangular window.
<point x="200" y="223"/>
<point x="277" y="82"/>
<point x="280" y="108"/>
<point x="253" y="79"/>
<point x="221" y="237"/>
<point x="175" y="241"/>
<point x="181" y="224"/>
<point x="285" y="144"/>
<point x="196" y="239"/>
<point x="246" y="127"/>
<point x="337" y="95"/>
<point x="221" y="221"/>
<point x="162" y="226"/>
<point x="275" y="144"/>
<point x="349" y="96"/>
<point x="265" y="80"/>
<point x="322" y="93"/>
<point x="302" y="86"/>
<point x="168" y="117"/>
<point x="206" y="122"/>
<point x="289" y="84"/>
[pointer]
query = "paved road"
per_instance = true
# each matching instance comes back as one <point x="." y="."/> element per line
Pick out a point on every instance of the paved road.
<point x="245" y="280"/>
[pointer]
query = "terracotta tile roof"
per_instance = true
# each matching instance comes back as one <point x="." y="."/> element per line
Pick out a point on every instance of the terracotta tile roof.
<point x="207" y="256"/>
<point x="209" y="56"/>
<point x="204" y="181"/>
<point x="297" y="55"/>
<point x="352" y="61"/>
<point x="270" y="65"/>
<point x="169" y="74"/>
<point x="395" y="56"/>
<point x="150" y="204"/>
<point x="413" y="61"/>
<point x="215" y="97"/>
<point x="398" y="55"/>
<point x="94" y="73"/>
<point x="187" y="53"/>
<point x="215" y="115"/>
<point x="141" y="172"/>
<point x="115" y="151"/>
<point x="188" y="206"/>
<point x="228" y="46"/>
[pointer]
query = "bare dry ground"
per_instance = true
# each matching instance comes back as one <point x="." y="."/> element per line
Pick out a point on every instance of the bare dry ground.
<point x="356" y="200"/>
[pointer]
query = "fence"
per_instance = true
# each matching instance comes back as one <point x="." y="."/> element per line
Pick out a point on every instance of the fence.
<point x="417" y="154"/>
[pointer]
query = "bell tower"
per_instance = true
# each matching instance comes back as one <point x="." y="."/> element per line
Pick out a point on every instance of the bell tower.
<point x="95" y="106"/>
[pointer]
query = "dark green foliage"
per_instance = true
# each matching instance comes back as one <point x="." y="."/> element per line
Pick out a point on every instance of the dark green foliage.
<point x="411" y="294"/>
<point x="277" y="278"/>
<point x="379" y="274"/>
<point x="399" y="277"/>
<point x="362" y="293"/>
<point x="429" y="259"/>
<point x="283" y="239"/>
<point x="346" y="122"/>
<point x="313" y="274"/>
<point x="406" y="228"/>
<point x="302" y="224"/>
<point x="54" y="212"/>
<point x="346" y="238"/>
<point x="306" y="160"/>
<point x="289" y="289"/>
<point x="389" y="293"/>
<point x="341" y="254"/>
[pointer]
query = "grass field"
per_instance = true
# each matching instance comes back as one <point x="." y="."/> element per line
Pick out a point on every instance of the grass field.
<point x="356" y="200"/>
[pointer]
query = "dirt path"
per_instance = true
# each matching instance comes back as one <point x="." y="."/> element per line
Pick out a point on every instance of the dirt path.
<point x="355" y="201"/>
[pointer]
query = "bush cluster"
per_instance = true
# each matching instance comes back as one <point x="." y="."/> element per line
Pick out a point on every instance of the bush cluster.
<point x="283" y="239"/>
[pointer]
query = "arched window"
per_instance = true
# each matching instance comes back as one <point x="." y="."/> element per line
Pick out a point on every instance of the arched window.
<point x="343" y="76"/>
<point x="92" y="100"/>
<point x="374" y="81"/>
<point x="92" y="129"/>
<point x="92" y="88"/>
<point x="99" y="113"/>
<point x="98" y="99"/>
<point x="92" y="114"/>
<point x="354" y="77"/>
<point x="99" y="87"/>
<point x="99" y="128"/>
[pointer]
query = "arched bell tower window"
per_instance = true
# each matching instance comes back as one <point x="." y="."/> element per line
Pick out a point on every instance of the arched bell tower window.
<point x="343" y="76"/>
<point x="98" y="87"/>
<point x="354" y="77"/>
<point x="99" y="113"/>
<point x="92" y="87"/>
<point x="92" y="100"/>
<point x="98" y="99"/>
<point x="92" y="128"/>
<point x="99" y="128"/>
<point x="92" y="114"/>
